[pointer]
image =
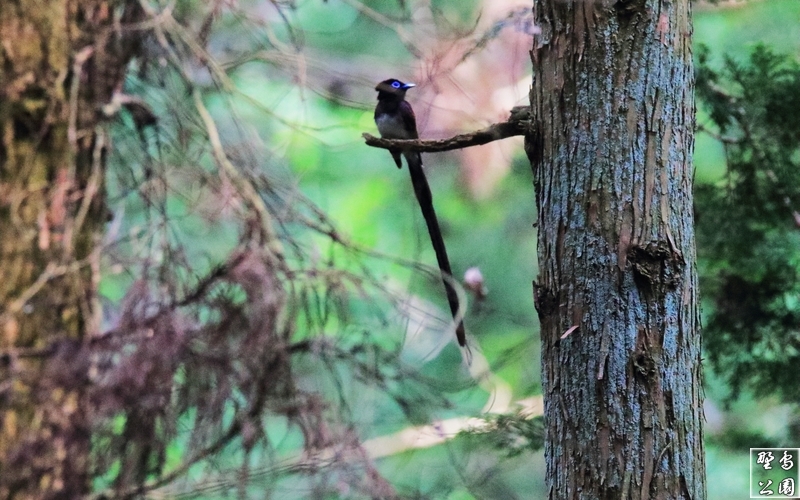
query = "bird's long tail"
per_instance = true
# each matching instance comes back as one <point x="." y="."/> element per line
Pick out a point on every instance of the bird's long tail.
<point x="425" y="199"/>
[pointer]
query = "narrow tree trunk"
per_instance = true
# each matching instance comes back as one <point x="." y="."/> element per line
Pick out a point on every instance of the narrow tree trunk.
<point x="617" y="290"/>
<point x="60" y="61"/>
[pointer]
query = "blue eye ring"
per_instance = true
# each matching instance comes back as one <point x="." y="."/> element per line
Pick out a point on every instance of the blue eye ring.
<point x="396" y="85"/>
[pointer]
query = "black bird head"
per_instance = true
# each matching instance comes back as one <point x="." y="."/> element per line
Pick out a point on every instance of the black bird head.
<point x="392" y="88"/>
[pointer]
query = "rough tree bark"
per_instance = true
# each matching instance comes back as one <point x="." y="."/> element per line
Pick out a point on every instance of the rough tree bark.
<point x="59" y="61"/>
<point x="611" y="153"/>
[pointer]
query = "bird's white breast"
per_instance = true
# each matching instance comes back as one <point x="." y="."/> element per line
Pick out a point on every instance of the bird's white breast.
<point x="391" y="126"/>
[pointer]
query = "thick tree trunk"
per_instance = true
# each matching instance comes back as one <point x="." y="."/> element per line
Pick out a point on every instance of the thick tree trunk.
<point x="59" y="61"/>
<point x="617" y="291"/>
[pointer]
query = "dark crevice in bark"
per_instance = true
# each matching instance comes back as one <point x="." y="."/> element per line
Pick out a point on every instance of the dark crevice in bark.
<point x="627" y="9"/>
<point x="656" y="268"/>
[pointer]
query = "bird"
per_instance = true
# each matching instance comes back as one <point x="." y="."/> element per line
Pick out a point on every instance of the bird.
<point x="395" y="119"/>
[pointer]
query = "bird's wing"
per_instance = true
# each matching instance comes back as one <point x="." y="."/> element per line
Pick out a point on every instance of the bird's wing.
<point x="396" y="156"/>
<point x="409" y="119"/>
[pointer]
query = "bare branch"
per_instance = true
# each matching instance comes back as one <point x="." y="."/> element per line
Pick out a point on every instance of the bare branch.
<point x="517" y="124"/>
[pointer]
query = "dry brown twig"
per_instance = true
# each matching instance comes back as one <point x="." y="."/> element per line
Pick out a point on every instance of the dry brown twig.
<point x="517" y="124"/>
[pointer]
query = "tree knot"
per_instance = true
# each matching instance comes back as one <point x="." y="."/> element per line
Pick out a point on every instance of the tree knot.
<point x="656" y="266"/>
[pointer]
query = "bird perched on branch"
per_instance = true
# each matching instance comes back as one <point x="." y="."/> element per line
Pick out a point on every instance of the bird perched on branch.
<point x="395" y="120"/>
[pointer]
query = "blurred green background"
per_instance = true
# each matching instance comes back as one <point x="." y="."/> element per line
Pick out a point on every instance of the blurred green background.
<point x="307" y="104"/>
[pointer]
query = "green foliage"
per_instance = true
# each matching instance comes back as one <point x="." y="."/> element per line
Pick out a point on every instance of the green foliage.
<point x="512" y="434"/>
<point x="742" y="439"/>
<point x="747" y="224"/>
<point x="735" y="29"/>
